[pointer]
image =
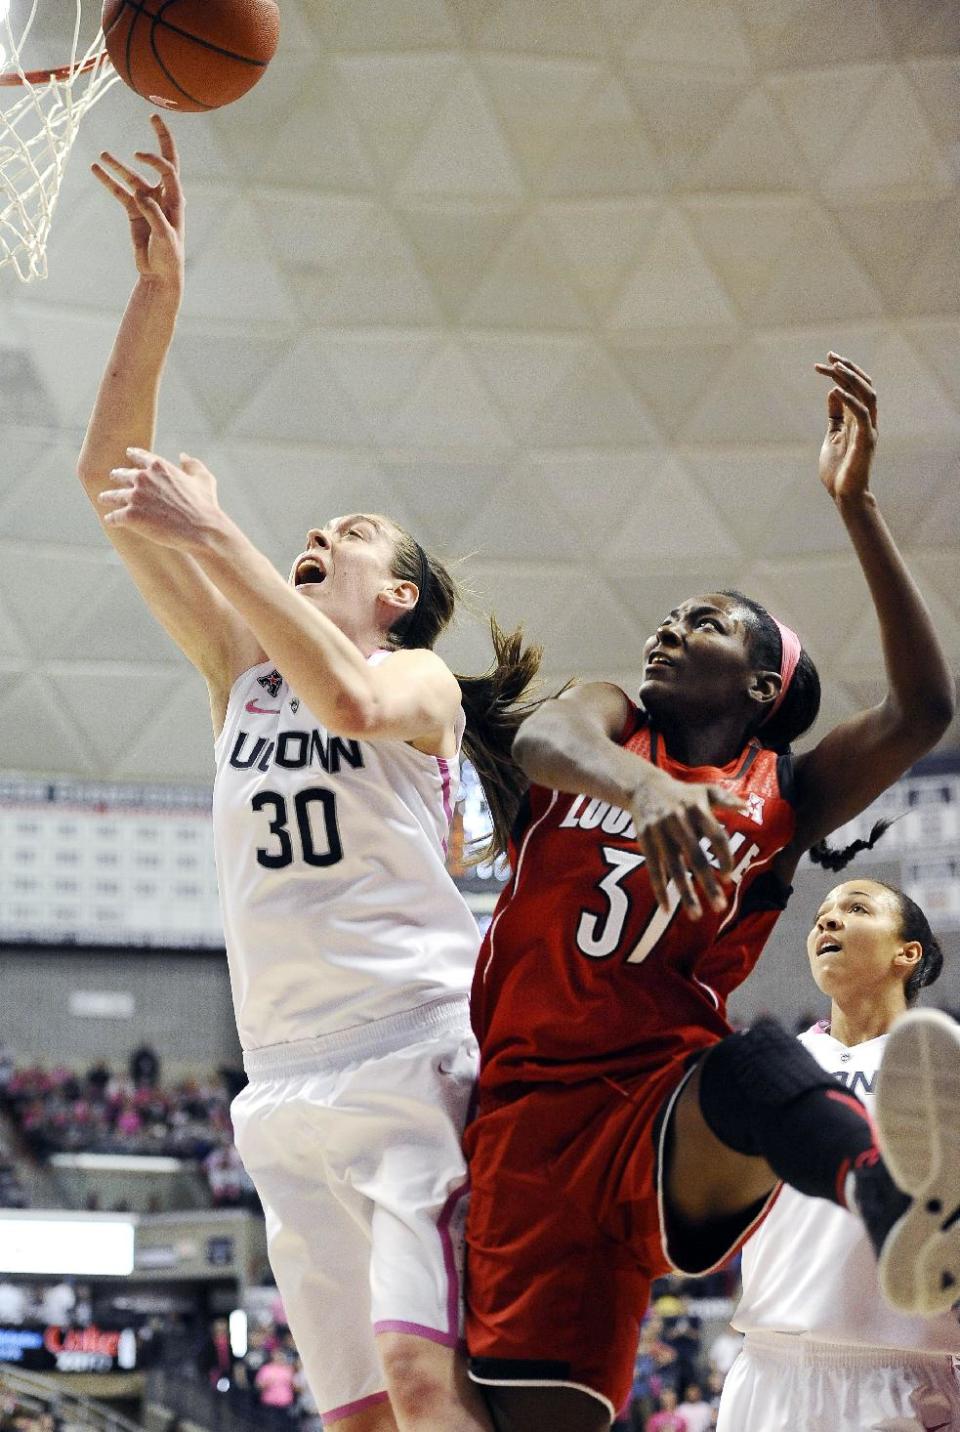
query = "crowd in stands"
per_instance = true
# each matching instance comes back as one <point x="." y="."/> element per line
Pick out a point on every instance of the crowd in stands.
<point x="61" y="1304"/>
<point x="267" y="1384"/>
<point x="678" y="1375"/>
<point x="60" y="1110"/>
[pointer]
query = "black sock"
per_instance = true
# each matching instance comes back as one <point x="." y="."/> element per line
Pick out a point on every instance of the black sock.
<point x="817" y="1140"/>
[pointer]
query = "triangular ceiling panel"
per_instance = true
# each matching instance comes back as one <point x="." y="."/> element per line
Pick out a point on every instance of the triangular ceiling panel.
<point x="347" y="259"/>
<point x="669" y="515"/>
<point x="908" y="157"/>
<point x="538" y="103"/>
<point x="785" y="34"/>
<point x="456" y="241"/>
<point x="817" y="109"/>
<point x="64" y="515"/>
<point x="526" y="373"/>
<point x="385" y="24"/>
<point x="301" y="399"/>
<point x="922" y="27"/>
<point x="753" y="150"/>
<point x="670" y="372"/>
<point x="740" y="403"/>
<point x="593" y="407"/>
<point x="608" y="154"/>
<point x="672" y="287"/>
<point x="395" y="97"/>
<point x="564" y="27"/>
<point x="48" y="742"/>
<point x="93" y="698"/>
<point x="380" y="371"/>
<point x="449" y="408"/>
<point x="780" y="259"/>
<point x="436" y="168"/>
<point x="599" y="241"/>
<point x="545" y="282"/>
<point x="177" y="744"/>
<point x="525" y="287"/>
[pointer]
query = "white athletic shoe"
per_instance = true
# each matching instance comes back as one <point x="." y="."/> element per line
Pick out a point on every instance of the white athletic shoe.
<point x="918" y="1118"/>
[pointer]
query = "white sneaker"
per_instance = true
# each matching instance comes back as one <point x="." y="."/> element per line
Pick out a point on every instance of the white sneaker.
<point x="918" y="1119"/>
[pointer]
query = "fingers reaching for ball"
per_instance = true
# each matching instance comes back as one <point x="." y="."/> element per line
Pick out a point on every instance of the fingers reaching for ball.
<point x="155" y="209"/>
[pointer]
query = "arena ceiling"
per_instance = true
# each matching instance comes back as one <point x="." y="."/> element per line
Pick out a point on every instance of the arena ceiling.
<point x="544" y="281"/>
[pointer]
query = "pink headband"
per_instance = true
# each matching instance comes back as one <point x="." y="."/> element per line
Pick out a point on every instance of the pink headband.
<point x="790" y="649"/>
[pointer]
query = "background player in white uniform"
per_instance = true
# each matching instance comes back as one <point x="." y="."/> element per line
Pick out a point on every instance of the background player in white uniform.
<point x="350" y="949"/>
<point x="823" y="1351"/>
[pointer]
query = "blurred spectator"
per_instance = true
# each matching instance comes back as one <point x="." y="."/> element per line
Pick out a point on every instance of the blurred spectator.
<point x="230" y="1184"/>
<point x="144" y="1067"/>
<point x="13" y="1303"/>
<point x="58" y="1303"/>
<point x="218" y="1356"/>
<point x="667" y="1418"/>
<point x="98" y="1077"/>
<point x="681" y="1331"/>
<point x="12" y="1192"/>
<point x="714" y="1387"/>
<point x="695" y="1410"/>
<point x="276" y="1384"/>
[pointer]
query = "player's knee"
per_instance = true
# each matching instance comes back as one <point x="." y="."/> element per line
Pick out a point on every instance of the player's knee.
<point x="420" y="1375"/>
<point x="748" y="1078"/>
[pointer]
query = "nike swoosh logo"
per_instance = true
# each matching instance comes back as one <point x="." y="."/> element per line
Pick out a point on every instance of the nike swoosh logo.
<point x="256" y="710"/>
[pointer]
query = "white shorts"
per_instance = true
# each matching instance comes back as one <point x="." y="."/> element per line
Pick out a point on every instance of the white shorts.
<point x="781" y="1383"/>
<point x="353" y="1143"/>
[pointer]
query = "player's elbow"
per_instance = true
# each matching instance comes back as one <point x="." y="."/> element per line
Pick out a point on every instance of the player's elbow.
<point x="355" y="717"/>
<point x="938" y="709"/>
<point x="532" y="739"/>
<point x="925" y="718"/>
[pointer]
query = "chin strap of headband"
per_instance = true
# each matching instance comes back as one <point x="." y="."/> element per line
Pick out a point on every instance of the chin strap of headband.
<point x="790" y="650"/>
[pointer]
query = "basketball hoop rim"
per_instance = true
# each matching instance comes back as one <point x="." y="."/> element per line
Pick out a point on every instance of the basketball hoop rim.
<point x="11" y="79"/>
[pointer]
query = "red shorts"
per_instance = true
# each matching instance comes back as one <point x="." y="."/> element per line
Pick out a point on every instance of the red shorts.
<point x="565" y="1232"/>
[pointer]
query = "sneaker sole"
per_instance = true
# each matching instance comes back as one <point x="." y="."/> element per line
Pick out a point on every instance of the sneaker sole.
<point x="918" y="1118"/>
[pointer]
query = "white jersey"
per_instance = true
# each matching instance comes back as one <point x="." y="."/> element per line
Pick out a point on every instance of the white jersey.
<point x="809" y="1268"/>
<point x="337" y="906"/>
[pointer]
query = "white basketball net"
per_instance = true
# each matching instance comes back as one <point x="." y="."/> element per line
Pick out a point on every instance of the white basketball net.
<point x="40" y="113"/>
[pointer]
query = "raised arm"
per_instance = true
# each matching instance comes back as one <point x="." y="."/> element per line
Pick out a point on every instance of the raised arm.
<point x="178" y="593"/>
<point x="411" y="697"/>
<point x="573" y="744"/>
<point x="862" y="756"/>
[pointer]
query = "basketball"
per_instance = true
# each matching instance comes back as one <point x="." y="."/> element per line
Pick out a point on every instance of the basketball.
<point x="191" y="54"/>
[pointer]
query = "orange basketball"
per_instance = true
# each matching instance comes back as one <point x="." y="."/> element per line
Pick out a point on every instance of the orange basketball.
<point x="191" y="54"/>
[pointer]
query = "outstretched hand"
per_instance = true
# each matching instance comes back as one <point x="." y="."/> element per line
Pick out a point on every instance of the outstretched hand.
<point x="851" y="439"/>
<point x="155" y="211"/>
<point x="174" y="506"/>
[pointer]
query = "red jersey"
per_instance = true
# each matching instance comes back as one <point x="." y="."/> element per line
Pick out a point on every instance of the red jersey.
<point x="581" y="974"/>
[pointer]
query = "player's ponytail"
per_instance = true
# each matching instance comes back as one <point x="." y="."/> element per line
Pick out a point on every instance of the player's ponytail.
<point x="831" y="859"/>
<point x="494" y="703"/>
<point x="915" y="929"/>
